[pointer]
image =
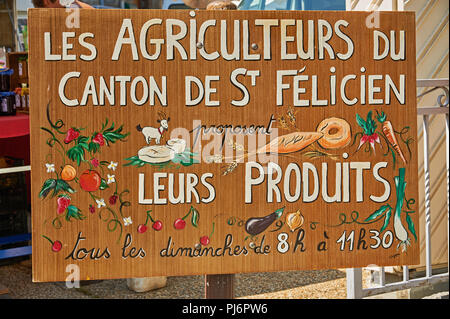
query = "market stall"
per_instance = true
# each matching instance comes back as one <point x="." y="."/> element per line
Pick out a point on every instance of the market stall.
<point x="14" y="158"/>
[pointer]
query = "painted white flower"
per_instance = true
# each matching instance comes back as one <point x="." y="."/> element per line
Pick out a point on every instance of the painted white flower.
<point x="50" y="167"/>
<point x="111" y="179"/>
<point x="66" y="3"/>
<point x="112" y="165"/>
<point x="127" y="221"/>
<point x="100" y="203"/>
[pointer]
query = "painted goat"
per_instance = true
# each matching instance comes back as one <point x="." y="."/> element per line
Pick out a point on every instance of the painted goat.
<point x="153" y="132"/>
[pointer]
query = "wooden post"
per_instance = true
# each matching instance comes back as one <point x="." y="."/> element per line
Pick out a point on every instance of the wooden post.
<point x="219" y="286"/>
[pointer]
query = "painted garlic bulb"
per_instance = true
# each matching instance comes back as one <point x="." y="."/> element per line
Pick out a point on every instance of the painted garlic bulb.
<point x="294" y="220"/>
<point x="66" y="3"/>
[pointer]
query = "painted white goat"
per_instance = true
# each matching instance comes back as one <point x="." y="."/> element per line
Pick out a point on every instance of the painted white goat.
<point x="153" y="132"/>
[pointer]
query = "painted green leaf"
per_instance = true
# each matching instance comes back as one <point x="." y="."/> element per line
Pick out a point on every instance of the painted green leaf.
<point x="103" y="184"/>
<point x="381" y="117"/>
<point x="411" y="226"/>
<point x="279" y="212"/>
<point x="48" y="185"/>
<point x="195" y="217"/>
<point x="386" y="220"/>
<point x="112" y="136"/>
<point x="361" y="122"/>
<point x="62" y="185"/>
<point x="93" y="147"/>
<point x="55" y="185"/>
<point x="73" y="212"/>
<point x="82" y="140"/>
<point x="380" y="211"/>
<point x="76" y="153"/>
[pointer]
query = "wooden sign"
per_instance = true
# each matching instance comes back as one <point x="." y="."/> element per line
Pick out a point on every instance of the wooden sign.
<point x="205" y="142"/>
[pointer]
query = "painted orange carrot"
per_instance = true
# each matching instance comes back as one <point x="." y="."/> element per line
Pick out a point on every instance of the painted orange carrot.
<point x="389" y="133"/>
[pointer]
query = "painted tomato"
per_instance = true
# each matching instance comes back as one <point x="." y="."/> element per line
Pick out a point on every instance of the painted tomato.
<point x="90" y="180"/>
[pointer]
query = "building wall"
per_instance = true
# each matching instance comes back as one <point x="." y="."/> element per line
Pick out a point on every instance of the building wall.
<point x="432" y="61"/>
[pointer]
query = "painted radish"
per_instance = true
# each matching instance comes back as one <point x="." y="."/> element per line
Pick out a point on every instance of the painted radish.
<point x="369" y="126"/>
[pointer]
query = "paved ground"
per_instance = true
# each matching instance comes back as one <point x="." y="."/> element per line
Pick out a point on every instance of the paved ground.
<point x="323" y="284"/>
<point x="328" y="284"/>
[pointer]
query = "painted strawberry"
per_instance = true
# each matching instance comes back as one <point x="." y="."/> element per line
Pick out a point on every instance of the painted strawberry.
<point x="91" y="209"/>
<point x="72" y="134"/>
<point x="63" y="202"/>
<point x="113" y="199"/>
<point x="99" y="139"/>
<point x="95" y="162"/>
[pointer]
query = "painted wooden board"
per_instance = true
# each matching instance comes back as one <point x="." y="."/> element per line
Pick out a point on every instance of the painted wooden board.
<point x="204" y="142"/>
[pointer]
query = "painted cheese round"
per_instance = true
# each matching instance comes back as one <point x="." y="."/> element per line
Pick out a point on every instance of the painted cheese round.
<point x="156" y="154"/>
<point x="177" y="145"/>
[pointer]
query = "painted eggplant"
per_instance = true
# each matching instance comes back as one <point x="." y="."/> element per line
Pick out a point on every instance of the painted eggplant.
<point x="257" y="225"/>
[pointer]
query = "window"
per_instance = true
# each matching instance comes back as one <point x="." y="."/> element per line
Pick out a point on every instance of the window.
<point x="178" y="6"/>
<point x="292" y="5"/>
<point x="125" y="4"/>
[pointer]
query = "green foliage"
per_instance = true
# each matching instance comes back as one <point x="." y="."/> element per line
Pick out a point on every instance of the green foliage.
<point x="411" y="226"/>
<point x="57" y="185"/>
<point x="379" y="212"/>
<point x="381" y="117"/>
<point x="84" y="143"/>
<point x="369" y="125"/>
<point x="103" y="184"/>
<point x="110" y="135"/>
<point x="74" y="212"/>
<point x="195" y="217"/>
<point x="76" y="153"/>
<point x="387" y="218"/>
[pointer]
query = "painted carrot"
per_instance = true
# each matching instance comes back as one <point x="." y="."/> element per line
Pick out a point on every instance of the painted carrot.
<point x="389" y="133"/>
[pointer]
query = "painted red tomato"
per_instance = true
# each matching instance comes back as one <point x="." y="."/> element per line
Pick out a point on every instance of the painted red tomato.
<point x="90" y="180"/>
